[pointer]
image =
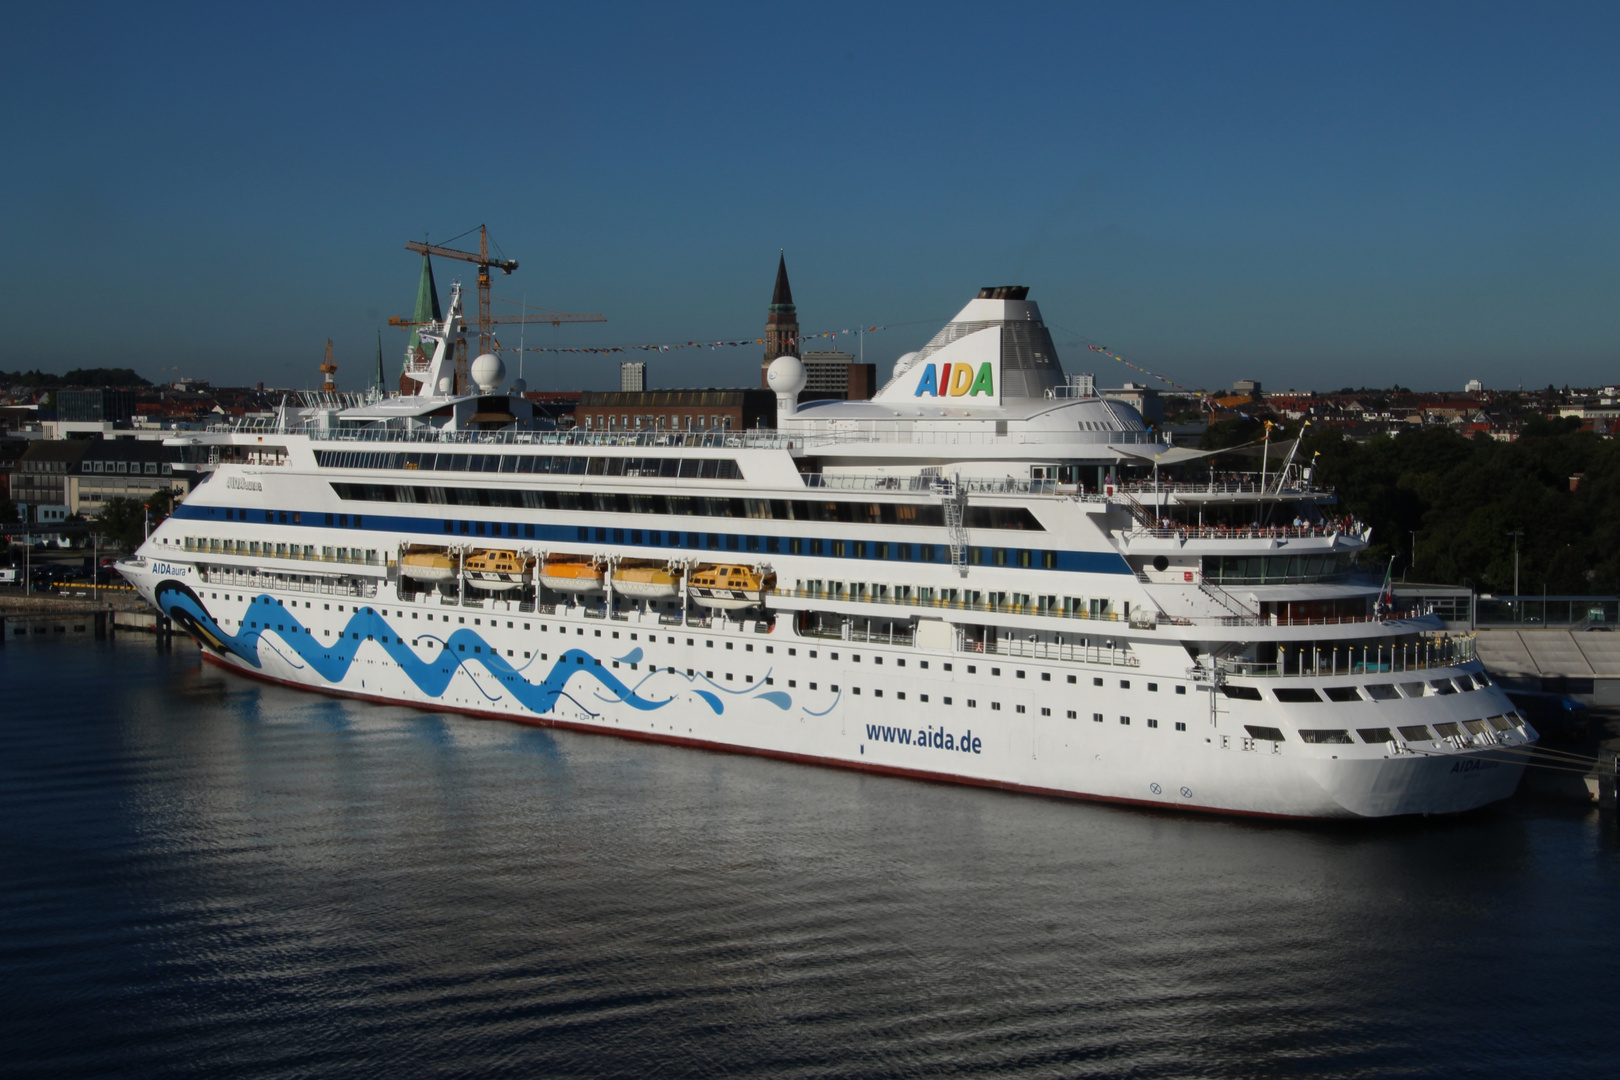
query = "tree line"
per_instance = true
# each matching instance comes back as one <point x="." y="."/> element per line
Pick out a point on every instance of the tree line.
<point x="1465" y="496"/>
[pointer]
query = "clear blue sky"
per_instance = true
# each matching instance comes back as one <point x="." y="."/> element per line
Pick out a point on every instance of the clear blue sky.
<point x="1308" y="194"/>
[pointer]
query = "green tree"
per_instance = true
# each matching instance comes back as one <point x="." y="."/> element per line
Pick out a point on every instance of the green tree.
<point x="123" y="522"/>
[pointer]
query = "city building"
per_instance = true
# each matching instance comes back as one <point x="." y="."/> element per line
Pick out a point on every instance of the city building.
<point x="1473" y="386"/>
<point x="95" y="406"/>
<point x="675" y="410"/>
<point x="831" y="374"/>
<point x="1249" y="388"/>
<point x="58" y="478"/>
<point x="781" y="322"/>
<point x="633" y="375"/>
<point x="1144" y="399"/>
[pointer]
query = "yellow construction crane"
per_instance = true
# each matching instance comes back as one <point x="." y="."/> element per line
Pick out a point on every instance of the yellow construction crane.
<point x="328" y="369"/>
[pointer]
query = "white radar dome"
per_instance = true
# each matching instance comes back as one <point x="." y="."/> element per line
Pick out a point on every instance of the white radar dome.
<point x="518" y="386"/>
<point x="488" y="372"/>
<point x="901" y="365"/>
<point x="444" y="385"/>
<point x="786" y="375"/>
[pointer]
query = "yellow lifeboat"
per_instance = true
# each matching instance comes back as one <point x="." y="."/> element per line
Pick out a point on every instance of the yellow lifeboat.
<point x="647" y="582"/>
<point x="432" y="566"/>
<point x="571" y="576"/>
<point x="498" y="571"/>
<point x="729" y="587"/>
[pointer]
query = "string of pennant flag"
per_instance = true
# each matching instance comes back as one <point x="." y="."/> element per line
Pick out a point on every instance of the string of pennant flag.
<point x="674" y="345"/>
<point x="1138" y="368"/>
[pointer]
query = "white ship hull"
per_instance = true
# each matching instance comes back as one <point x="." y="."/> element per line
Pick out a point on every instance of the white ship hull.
<point x="769" y="695"/>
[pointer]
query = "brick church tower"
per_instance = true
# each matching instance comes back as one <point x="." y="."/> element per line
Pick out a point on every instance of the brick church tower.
<point x="781" y="324"/>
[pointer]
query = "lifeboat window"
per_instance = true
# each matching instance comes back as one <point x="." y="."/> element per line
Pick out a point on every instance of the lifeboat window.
<point x="1343" y="693"/>
<point x="1448" y="730"/>
<point x="1381" y="691"/>
<point x="1416" y="733"/>
<point x="1258" y="732"/>
<point x="1412" y="689"/>
<point x="1443" y="686"/>
<point x="1245" y="693"/>
<point x="1374" y="734"/>
<point x="1297" y="695"/>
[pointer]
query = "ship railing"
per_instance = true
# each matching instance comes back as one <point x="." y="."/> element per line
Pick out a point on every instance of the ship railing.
<point x="1426" y="654"/>
<point x="1242" y="485"/>
<point x="892" y="636"/>
<point x="838" y="433"/>
<point x="258" y="579"/>
<point x="990" y="606"/>
<point x="1053" y="650"/>
<point x="973" y="484"/>
<point x="1251" y="532"/>
<point x="296" y="552"/>
<point x="1283" y="620"/>
<point x="749" y="439"/>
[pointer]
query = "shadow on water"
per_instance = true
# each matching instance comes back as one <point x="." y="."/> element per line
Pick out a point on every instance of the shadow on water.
<point x="206" y="874"/>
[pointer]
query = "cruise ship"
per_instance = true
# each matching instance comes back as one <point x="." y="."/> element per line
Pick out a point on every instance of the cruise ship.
<point x="986" y="574"/>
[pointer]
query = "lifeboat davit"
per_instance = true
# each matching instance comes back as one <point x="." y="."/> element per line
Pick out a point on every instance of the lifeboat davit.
<point x="728" y="587"/>
<point x="566" y="576"/>
<point x="496" y="571"/>
<point x="647" y="582"/>
<point x="433" y="566"/>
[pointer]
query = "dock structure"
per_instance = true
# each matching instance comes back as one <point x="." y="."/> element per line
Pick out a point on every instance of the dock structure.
<point x="1583" y="664"/>
<point x="26" y="617"/>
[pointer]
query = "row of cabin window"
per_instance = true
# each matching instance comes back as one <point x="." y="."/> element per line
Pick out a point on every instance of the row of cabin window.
<point x="829" y="511"/>
<point x="543" y="464"/>
<point x="1301" y="695"/>
<point x="291" y="517"/>
<point x="1408" y="733"/>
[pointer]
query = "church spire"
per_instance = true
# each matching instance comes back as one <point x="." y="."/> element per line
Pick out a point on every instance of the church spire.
<point x="427" y="304"/>
<point x="782" y="297"/>
<point x="781" y="322"/>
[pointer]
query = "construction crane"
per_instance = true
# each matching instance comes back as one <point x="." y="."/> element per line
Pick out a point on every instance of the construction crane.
<point x="328" y="370"/>
<point x="486" y="321"/>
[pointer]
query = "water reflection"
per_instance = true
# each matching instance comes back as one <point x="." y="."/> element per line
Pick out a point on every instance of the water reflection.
<point x="235" y="875"/>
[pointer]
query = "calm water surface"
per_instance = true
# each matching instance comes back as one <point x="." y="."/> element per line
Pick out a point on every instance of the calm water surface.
<point x="201" y="875"/>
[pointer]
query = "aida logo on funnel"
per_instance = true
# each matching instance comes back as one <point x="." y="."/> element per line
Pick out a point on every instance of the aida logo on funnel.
<point x="956" y="380"/>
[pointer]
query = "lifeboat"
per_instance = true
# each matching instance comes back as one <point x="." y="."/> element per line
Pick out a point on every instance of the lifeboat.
<point x="571" y="576"/>
<point x="728" y="587"/>
<point x="433" y="566"/>
<point x="497" y="571"/>
<point x="647" y="582"/>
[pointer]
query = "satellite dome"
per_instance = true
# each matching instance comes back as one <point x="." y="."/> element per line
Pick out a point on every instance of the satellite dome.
<point x="518" y="386"/>
<point x="444" y="385"/>
<point x="906" y="360"/>
<point x="488" y="372"/>
<point x="785" y="375"/>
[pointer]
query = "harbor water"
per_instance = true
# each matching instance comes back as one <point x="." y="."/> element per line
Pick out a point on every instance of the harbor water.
<point x="201" y="875"/>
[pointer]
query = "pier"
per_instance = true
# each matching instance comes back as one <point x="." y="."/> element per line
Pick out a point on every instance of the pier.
<point x="92" y="615"/>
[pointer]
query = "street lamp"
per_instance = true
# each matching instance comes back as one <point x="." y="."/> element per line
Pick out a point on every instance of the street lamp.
<point x="1516" y="533"/>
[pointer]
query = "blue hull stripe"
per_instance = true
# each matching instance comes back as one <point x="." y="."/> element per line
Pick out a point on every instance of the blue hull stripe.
<point x="431" y="676"/>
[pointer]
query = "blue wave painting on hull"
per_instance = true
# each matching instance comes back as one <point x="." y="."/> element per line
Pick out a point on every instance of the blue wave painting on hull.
<point x="432" y="676"/>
